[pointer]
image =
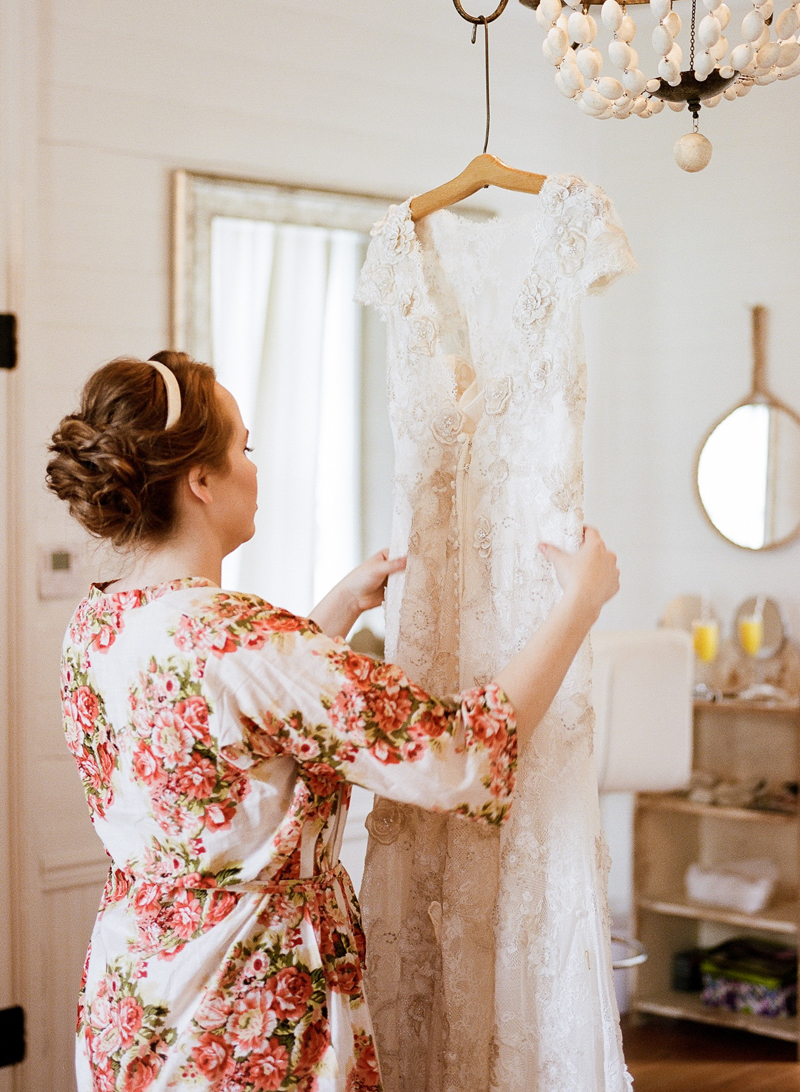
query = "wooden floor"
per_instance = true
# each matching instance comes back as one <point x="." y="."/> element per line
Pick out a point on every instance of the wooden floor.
<point x="679" y="1056"/>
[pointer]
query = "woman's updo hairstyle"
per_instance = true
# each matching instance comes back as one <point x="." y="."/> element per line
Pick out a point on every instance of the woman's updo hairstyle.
<point x="115" y="463"/>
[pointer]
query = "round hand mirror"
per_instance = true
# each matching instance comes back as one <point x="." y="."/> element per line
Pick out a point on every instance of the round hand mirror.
<point x="748" y="472"/>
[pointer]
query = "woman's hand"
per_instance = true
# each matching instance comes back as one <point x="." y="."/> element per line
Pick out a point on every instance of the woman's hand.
<point x="367" y="583"/>
<point x="360" y="590"/>
<point x="590" y="574"/>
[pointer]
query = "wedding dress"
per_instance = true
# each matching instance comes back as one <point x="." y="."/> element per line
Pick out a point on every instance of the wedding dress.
<point x="489" y="964"/>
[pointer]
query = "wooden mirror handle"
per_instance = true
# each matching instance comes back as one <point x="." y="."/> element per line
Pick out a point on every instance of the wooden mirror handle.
<point x="760" y="349"/>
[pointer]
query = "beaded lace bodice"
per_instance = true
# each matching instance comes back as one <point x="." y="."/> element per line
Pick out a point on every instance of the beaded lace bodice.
<point x="488" y="954"/>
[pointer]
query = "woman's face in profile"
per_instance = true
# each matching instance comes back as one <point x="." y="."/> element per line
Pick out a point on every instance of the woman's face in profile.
<point x="235" y="489"/>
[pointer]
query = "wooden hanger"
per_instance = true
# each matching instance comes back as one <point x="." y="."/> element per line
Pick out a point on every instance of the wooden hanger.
<point x="484" y="170"/>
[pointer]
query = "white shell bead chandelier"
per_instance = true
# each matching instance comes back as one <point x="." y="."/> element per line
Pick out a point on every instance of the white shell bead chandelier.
<point x="769" y="51"/>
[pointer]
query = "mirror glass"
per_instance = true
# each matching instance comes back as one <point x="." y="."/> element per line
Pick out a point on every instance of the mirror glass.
<point x="264" y="284"/>
<point x="748" y="476"/>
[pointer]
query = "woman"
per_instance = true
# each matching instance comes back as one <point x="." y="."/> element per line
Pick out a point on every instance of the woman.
<point x="217" y="736"/>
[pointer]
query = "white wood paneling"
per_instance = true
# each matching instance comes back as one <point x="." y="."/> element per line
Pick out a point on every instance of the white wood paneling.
<point x="69" y="914"/>
<point x="66" y="833"/>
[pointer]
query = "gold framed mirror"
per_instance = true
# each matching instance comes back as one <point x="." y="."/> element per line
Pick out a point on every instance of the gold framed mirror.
<point x="748" y="469"/>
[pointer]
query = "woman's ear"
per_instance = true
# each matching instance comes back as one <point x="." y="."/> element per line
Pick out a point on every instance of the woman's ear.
<point x="198" y="484"/>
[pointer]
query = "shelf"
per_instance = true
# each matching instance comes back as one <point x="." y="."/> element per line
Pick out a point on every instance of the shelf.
<point x="687" y="1006"/>
<point x="671" y="802"/>
<point x="779" y="918"/>
<point x="736" y="741"/>
<point x="736" y="705"/>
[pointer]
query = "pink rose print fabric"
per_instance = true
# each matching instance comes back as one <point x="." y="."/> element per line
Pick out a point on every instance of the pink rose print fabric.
<point x="217" y="738"/>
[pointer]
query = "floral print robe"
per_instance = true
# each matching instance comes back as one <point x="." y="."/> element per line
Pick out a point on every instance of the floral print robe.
<point x="216" y="738"/>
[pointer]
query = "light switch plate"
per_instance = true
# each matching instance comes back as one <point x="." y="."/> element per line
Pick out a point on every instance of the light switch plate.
<point x="60" y="573"/>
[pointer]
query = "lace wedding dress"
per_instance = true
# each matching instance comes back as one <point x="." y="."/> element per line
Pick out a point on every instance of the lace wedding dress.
<point x="489" y="965"/>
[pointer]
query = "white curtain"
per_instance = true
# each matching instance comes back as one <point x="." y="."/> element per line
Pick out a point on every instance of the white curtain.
<point x="287" y="343"/>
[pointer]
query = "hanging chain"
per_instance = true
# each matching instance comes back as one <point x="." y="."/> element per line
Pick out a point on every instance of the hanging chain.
<point x="691" y="47"/>
<point x="694" y="104"/>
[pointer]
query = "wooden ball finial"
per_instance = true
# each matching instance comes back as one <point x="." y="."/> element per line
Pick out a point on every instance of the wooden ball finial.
<point x="693" y="152"/>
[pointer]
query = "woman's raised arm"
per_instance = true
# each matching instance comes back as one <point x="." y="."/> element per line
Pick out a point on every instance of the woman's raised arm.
<point x="531" y="680"/>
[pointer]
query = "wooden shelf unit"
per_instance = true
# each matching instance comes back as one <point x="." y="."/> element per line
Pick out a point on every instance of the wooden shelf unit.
<point x="733" y="740"/>
<point x="780" y="917"/>
<point x="687" y="1006"/>
<point x="736" y="705"/>
<point x="667" y="801"/>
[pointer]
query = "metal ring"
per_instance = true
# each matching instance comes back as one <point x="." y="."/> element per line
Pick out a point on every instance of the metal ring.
<point x="501" y="7"/>
<point x="635" y="946"/>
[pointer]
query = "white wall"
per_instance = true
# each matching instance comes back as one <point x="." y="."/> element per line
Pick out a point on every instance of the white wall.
<point x="672" y="354"/>
<point x="378" y="98"/>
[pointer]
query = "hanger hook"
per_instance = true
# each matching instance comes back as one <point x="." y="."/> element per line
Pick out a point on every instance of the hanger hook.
<point x="485" y="19"/>
<point x="501" y="7"/>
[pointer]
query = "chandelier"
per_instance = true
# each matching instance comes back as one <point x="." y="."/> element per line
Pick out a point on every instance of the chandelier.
<point x="769" y="51"/>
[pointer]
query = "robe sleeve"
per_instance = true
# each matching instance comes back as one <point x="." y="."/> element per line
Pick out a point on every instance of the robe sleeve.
<point x="345" y="717"/>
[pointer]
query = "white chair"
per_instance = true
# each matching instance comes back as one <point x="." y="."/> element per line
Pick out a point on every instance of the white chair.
<point x="642" y="687"/>
<point x="642" y="690"/>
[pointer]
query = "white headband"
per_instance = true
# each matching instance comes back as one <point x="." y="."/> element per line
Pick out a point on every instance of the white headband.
<point x="173" y="392"/>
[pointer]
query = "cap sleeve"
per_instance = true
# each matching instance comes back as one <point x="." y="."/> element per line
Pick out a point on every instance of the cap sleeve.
<point x="608" y="254"/>
<point x="393" y="240"/>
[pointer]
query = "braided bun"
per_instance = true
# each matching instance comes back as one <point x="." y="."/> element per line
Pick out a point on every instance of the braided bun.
<point x="116" y="465"/>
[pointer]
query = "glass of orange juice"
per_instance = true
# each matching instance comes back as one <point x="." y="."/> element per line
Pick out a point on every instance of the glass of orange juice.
<point x="751" y="633"/>
<point x="705" y="635"/>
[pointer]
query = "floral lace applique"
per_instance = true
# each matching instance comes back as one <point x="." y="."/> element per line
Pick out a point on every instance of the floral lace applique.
<point x="446" y="425"/>
<point x="535" y="304"/>
<point x="570" y="251"/>
<point x="497" y="394"/>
